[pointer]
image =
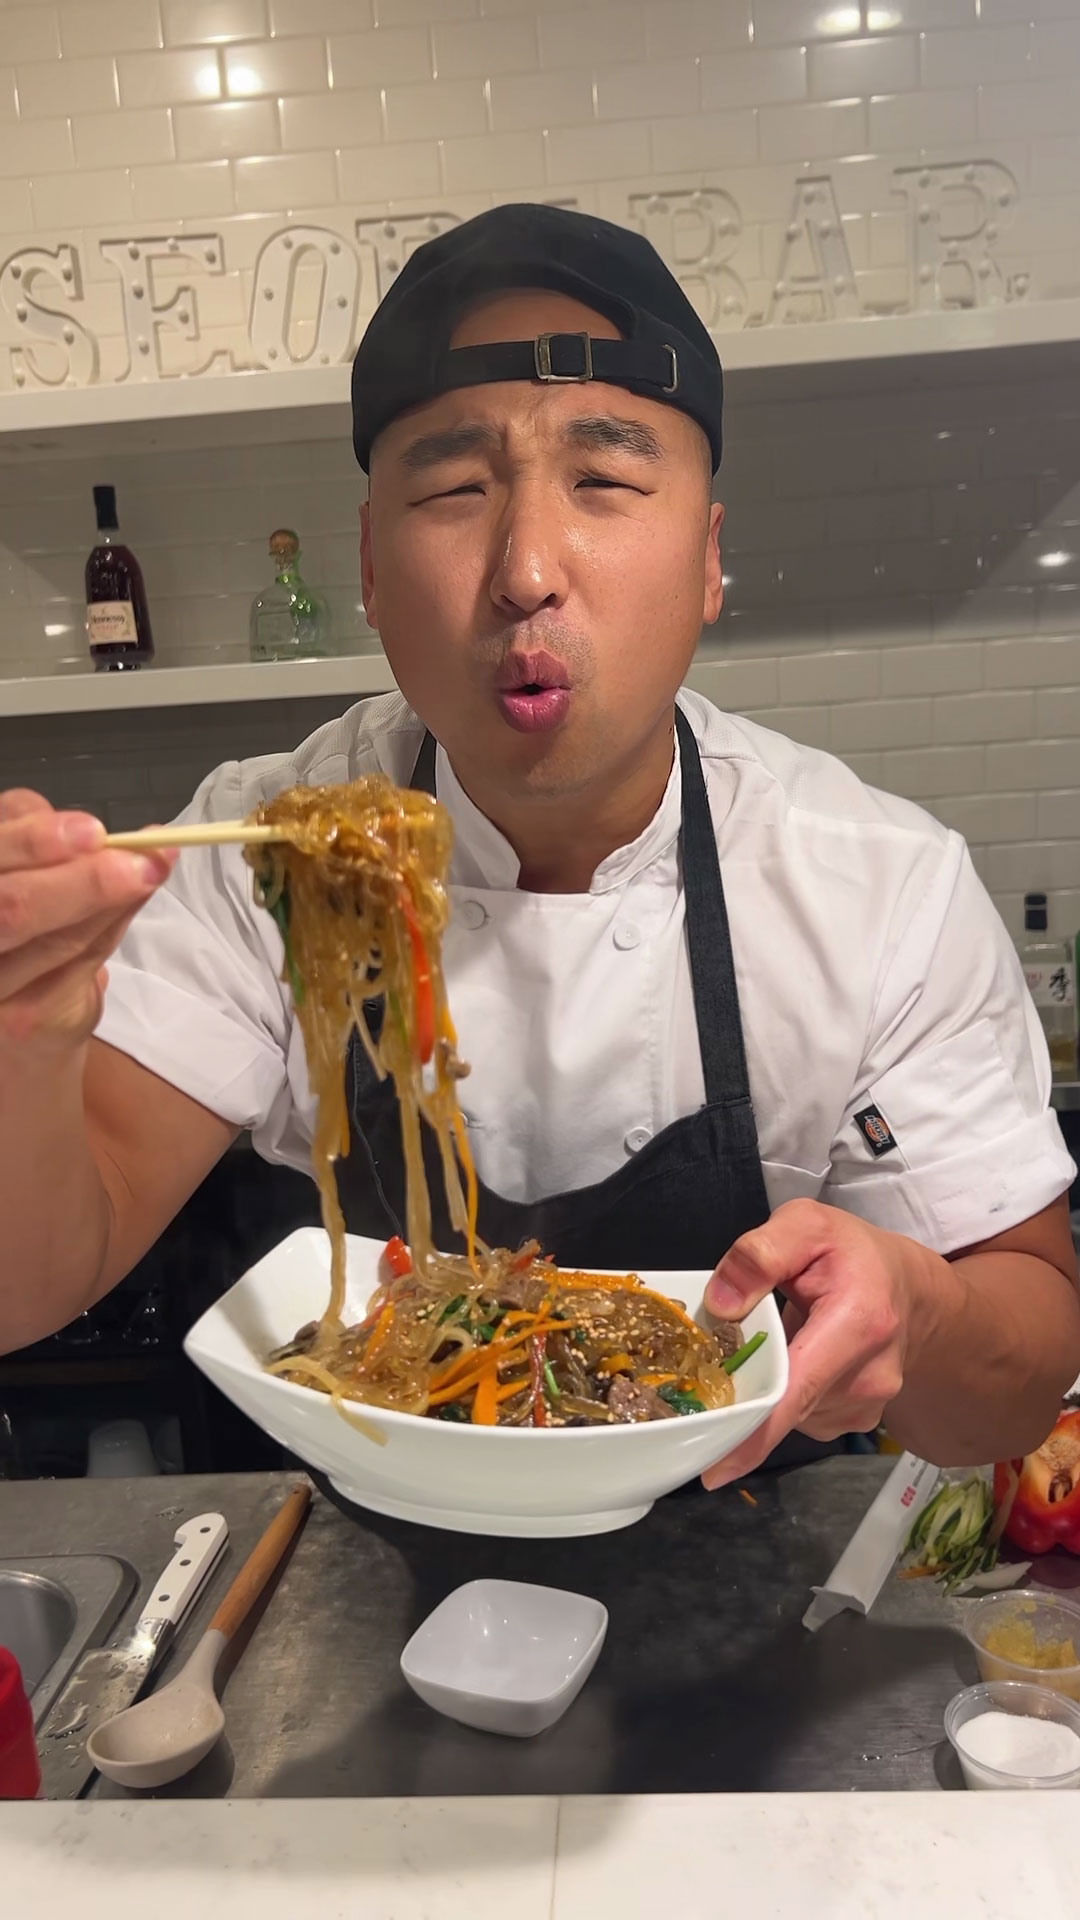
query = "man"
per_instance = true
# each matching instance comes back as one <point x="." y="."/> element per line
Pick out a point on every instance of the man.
<point x="841" y="1091"/>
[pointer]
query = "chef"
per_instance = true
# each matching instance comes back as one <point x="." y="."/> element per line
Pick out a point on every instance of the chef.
<point x="725" y="1006"/>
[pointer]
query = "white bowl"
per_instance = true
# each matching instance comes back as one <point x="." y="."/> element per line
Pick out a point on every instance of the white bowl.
<point x="505" y="1656"/>
<point x="473" y="1479"/>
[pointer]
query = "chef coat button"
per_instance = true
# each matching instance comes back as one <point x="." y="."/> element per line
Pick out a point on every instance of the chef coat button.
<point x="637" y="1138"/>
<point x="626" y="935"/>
<point x="472" y="914"/>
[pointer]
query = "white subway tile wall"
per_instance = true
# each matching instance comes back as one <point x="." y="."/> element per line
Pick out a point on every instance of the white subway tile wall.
<point x="904" y="569"/>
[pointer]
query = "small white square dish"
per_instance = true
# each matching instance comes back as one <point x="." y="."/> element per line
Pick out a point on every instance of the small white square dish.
<point x="505" y="1656"/>
<point x="474" y="1479"/>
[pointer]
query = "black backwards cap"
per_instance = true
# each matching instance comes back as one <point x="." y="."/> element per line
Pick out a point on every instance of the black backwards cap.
<point x="666" y="353"/>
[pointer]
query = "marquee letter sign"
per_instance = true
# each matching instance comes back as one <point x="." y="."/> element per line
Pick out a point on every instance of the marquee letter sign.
<point x="144" y="315"/>
<point x="815" y="279"/>
<point x="70" y="356"/>
<point x="959" y="212"/>
<point x="696" y="233"/>
<point x="314" y="289"/>
<point x="274" y="294"/>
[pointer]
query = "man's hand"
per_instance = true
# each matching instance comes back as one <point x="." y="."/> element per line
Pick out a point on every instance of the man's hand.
<point x="852" y="1291"/>
<point x="65" y="902"/>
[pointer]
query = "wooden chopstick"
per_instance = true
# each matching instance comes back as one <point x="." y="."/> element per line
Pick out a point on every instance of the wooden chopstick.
<point x="212" y="833"/>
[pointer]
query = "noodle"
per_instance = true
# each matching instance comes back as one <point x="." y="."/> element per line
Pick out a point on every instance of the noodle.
<point x="358" y="891"/>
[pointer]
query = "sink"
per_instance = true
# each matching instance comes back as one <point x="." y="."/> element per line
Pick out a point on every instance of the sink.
<point x="53" y="1607"/>
<point x="37" y="1619"/>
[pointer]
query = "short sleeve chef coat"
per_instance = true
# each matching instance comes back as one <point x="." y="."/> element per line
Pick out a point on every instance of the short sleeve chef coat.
<point x="873" y="973"/>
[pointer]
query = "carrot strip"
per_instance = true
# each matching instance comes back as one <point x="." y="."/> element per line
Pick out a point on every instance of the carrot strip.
<point x="382" y="1328"/>
<point x="476" y="1356"/>
<point x="484" y="1399"/>
<point x="444" y="1390"/>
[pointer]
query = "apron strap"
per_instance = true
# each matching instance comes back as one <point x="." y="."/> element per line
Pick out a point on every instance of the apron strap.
<point x="423" y="773"/>
<point x="712" y="967"/>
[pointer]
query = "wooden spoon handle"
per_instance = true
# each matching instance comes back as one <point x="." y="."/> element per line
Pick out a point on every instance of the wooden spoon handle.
<point x="260" y="1563"/>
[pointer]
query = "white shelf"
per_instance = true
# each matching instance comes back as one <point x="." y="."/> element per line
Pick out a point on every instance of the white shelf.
<point x="312" y="403"/>
<point x="351" y="676"/>
<point x="237" y="409"/>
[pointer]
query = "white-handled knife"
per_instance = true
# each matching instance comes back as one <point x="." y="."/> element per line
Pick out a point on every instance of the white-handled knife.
<point x="109" y="1678"/>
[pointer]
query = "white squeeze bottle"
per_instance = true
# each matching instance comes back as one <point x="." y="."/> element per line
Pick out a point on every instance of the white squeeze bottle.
<point x="1049" y="970"/>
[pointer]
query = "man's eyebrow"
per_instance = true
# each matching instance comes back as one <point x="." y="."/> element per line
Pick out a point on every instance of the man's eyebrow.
<point x="448" y="443"/>
<point x="609" y="433"/>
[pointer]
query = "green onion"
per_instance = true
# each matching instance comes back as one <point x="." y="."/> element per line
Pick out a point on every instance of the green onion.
<point x="454" y="1306"/>
<point x="553" y="1386"/>
<point x="735" y="1360"/>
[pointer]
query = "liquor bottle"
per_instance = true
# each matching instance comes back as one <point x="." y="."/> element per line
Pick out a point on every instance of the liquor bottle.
<point x="289" y="620"/>
<point x="117" y="616"/>
<point x="1051" y="981"/>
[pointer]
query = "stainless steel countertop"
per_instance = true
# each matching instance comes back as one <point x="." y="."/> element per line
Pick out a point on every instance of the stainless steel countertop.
<point x="707" y="1682"/>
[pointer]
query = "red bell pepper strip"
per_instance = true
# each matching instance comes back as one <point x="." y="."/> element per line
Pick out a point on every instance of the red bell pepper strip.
<point x="397" y="1257"/>
<point x="423" y="992"/>
<point x="1039" y="1497"/>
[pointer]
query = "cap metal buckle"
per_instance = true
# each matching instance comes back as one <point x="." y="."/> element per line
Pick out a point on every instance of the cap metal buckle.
<point x="674" y="386"/>
<point x="542" y="360"/>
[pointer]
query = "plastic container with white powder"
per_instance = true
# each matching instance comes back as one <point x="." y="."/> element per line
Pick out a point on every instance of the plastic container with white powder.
<point x="1009" y="1734"/>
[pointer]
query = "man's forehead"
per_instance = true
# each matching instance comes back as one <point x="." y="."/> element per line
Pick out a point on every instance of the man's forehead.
<point x="507" y="411"/>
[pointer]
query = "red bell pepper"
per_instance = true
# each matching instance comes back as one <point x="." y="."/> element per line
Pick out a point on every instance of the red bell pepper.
<point x="1039" y="1497"/>
<point x="396" y="1258"/>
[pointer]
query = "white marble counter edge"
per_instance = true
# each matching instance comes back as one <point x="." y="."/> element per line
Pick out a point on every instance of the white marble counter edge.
<point x="756" y="1856"/>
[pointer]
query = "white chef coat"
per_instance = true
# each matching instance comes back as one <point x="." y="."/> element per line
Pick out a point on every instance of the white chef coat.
<point x="873" y="971"/>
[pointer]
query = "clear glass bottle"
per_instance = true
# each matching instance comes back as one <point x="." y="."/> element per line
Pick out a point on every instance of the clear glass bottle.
<point x="1051" y="981"/>
<point x="289" y="620"/>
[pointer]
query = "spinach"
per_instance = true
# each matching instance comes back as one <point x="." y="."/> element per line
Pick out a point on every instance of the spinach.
<point x="681" y="1399"/>
<point x="280" y="913"/>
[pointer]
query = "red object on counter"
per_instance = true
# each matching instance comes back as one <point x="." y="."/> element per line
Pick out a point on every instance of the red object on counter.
<point x="20" y="1774"/>
<point x="1040" y="1495"/>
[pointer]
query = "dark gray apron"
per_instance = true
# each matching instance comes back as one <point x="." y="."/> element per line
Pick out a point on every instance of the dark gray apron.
<point x="683" y="1199"/>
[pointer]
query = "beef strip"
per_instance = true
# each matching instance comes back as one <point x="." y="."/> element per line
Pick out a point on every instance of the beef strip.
<point x="629" y="1401"/>
<point x="523" y="1291"/>
<point x="728" y="1335"/>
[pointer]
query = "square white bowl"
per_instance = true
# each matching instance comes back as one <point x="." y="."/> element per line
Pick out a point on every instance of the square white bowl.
<point x="505" y="1656"/>
<point x="495" y="1480"/>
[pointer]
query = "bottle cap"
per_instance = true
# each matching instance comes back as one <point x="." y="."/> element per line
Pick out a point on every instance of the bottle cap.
<point x="20" y="1773"/>
<point x="284" y="544"/>
<point x="105" y="508"/>
<point x="1035" y="918"/>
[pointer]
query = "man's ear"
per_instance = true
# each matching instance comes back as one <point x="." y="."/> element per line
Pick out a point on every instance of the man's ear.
<point x="367" y="570"/>
<point x="714" y="567"/>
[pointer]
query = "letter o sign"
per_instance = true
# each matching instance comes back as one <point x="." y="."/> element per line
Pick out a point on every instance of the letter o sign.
<point x="274" y="291"/>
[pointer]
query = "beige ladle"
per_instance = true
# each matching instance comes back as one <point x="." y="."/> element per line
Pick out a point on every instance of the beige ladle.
<point x="163" y="1737"/>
